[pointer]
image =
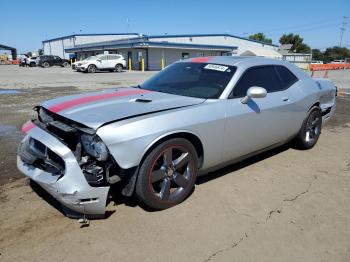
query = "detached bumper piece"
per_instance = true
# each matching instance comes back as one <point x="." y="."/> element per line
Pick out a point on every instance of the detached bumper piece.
<point x="51" y="164"/>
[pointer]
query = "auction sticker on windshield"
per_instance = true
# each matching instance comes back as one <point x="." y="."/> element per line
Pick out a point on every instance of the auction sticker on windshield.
<point x="216" y="67"/>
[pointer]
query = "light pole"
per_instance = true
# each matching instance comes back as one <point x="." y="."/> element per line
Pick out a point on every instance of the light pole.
<point x="342" y="29"/>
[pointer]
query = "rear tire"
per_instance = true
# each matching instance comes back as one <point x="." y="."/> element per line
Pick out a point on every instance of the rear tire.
<point x="46" y="64"/>
<point x="167" y="174"/>
<point x="118" y="68"/>
<point x="92" y="69"/>
<point x="310" y="130"/>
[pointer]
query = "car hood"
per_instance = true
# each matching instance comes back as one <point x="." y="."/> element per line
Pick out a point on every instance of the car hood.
<point x="95" y="109"/>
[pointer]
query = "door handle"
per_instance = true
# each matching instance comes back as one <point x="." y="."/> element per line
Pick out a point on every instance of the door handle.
<point x="285" y="99"/>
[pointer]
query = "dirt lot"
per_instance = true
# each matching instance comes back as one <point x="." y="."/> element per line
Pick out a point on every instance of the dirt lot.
<point x="284" y="205"/>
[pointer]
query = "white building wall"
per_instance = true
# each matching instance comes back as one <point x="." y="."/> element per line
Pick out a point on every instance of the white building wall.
<point x="81" y="40"/>
<point x="58" y="46"/>
<point x="46" y="48"/>
<point x="242" y="44"/>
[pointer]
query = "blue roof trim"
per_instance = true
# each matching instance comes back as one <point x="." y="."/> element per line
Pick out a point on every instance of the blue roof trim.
<point x="161" y="36"/>
<point x="145" y="44"/>
<point x="74" y="35"/>
<point x="221" y="47"/>
<point x="204" y="35"/>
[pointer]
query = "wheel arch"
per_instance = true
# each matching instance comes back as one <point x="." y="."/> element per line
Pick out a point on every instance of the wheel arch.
<point x="193" y="138"/>
<point x="314" y="104"/>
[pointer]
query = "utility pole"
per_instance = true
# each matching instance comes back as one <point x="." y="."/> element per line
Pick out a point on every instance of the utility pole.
<point x="342" y="29"/>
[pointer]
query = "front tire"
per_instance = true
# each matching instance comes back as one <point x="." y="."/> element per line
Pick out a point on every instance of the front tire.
<point x="65" y="64"/>
<point x="92" y="69"/>
<point x="167" y="175"/>
<point x="310" y="130"/>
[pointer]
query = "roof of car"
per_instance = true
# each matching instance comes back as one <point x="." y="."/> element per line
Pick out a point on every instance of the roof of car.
<point x="234" y="60"/>
<point x="246" y="62"/>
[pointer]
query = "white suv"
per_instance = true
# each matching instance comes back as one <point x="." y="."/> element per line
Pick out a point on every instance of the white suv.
<point x="110" y="62"/>
<point x="32" y="61"/>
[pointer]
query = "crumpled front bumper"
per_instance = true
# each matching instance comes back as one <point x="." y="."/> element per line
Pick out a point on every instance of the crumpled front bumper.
<point x="71" y="190"/>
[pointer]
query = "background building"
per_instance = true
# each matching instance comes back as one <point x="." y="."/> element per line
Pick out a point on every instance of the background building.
<point x="57" y="46"/>
<point x="156" y="50"/>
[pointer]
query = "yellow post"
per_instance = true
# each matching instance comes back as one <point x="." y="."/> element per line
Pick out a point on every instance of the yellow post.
<point x="143" y="65"/>
<point x="162" y="63"/>
<point x="130" y="65"/>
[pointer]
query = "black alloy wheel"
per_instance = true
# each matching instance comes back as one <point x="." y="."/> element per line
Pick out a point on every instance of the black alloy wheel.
<point x="168" y="174"/>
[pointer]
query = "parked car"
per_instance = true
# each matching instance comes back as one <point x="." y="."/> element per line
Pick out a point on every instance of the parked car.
<point x="111" y="62"/>
<point x="22" y="60"/>
<point x="76" y="63"/>
<point x="195" y="116"/>
<point x="337" y="62"/>
<point x="52" y="60"/>
<point x="32" y="61"/>
<point x="314" y="62"/>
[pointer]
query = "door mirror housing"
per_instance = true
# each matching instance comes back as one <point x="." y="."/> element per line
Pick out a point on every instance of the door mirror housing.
<point x="254" y="92"/>
<point x="99" y="60"/>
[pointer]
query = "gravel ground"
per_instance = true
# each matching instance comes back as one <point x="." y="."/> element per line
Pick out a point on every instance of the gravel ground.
<point x="283" y="205"/>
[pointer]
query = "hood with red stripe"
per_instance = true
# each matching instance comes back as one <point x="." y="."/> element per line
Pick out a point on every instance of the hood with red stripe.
<point x="96" y="109"/>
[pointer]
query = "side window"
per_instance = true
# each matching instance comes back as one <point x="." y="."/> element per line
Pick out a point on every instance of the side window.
<point x="262" y="76"/>
<point x="56" y="58"/>
<point x="103" y="57"/>
<point x="113" y="57"/>
<point x="287" y="77"/>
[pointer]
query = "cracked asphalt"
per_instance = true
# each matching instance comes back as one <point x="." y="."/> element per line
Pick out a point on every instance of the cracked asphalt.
<point x="283" y="205"/>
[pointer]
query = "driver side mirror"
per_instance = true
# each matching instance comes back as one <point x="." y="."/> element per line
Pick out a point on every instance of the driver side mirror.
<point x="99" y="60"/>
<point x="254" y="92"/>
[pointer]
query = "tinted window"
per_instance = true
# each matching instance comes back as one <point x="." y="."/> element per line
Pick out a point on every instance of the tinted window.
<point x="287" y="77"/>
<point x="264" y="76"/>
<point x="103" y="57"/>
<point x="192" y="79"/>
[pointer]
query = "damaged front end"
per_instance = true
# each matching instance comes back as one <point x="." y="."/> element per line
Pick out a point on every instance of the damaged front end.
<point x="69" y="161"/>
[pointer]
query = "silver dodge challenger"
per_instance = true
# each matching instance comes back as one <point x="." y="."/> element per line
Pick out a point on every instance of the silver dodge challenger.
<point x="195" y="116"/>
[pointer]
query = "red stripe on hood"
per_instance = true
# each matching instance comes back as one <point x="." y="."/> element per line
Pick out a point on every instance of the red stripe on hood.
<point x="201" y="59"/>
<point x="88" y="99"/>
<point x="28" y="126"/>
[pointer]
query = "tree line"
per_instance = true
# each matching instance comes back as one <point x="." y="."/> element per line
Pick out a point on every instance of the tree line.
<point x="298" y="46"/>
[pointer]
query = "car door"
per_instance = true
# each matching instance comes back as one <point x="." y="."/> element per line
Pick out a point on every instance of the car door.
<point x="102" y="62"/>
<point x="262" y="122"/>
<point x="112" y="60"/>
<point x="57" y="60"/>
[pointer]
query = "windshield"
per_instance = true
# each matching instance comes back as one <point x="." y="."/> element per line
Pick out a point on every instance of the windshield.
<point x="200" y="80"/>
<point x="90" y="58"/>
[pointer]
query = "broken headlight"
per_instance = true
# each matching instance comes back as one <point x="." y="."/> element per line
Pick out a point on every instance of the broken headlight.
<point x="94" y="147"/>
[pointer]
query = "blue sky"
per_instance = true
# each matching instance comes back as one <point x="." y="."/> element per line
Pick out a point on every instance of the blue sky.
<point x="25" y="23"/>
